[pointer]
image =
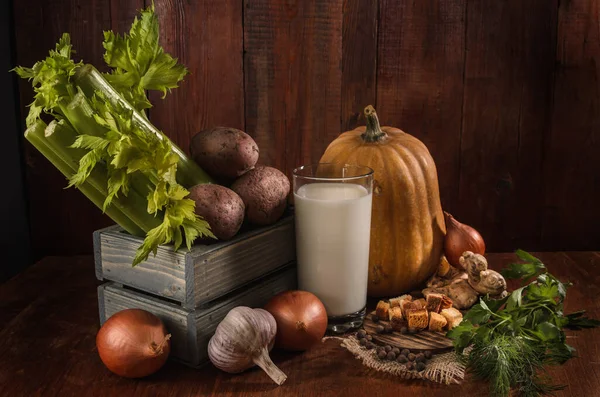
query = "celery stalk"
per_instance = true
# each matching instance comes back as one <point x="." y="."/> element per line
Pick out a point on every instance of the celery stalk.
<point x="60" y="136"/>
<point x="81" y="115"/>
<point x="90" y="80"/>
<point x="35" y="135"/>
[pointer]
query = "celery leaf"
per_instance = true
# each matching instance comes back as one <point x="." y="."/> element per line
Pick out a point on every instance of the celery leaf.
<point x="51" y="80"/>
<point x="139" y="63"/>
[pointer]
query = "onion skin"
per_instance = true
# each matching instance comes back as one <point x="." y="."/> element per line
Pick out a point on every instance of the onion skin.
<point x="460" y="238"/>
<point x="133" y="343"/>
<point x="301" y="319"/>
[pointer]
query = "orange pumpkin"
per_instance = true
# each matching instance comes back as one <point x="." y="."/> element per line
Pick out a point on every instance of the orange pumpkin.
<point x="407" y="223"/>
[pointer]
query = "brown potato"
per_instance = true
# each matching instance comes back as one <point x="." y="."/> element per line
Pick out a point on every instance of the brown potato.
<point x="224" y="152"/>
<point x="221" y="207"/>
<point x="264" y="191"/>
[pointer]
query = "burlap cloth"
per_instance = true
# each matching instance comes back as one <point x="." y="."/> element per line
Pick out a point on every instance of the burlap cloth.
<point x="442" y="368"/>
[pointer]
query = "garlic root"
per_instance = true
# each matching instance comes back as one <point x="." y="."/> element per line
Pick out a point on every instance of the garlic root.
<point x="264" y="362"/>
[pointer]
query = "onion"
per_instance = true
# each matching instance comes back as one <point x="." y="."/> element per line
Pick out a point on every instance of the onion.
<point x="133" y="343"/>
<point x="301" y="319"/>
<point x="461" y="238"/>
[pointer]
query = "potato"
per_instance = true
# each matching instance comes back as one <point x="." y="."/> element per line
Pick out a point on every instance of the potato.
<point x="224" y="152"/>
<point x="264" y="191"/>
<point x="221" y="207"/>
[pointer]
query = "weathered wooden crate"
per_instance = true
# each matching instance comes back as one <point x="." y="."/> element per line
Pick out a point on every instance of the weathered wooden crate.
<point x="191" y="329"/>
<point x="207" y="272"/>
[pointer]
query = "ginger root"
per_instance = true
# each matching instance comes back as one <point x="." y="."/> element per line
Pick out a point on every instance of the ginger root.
<point x="464" y="287"/>
<point x="483" y="280"/>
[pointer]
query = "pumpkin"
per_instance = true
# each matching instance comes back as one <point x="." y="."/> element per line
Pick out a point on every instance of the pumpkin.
<point x="407" y="222"/>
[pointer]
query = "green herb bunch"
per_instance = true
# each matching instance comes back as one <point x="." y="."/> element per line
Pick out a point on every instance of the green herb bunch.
<point x="514" y="338"/>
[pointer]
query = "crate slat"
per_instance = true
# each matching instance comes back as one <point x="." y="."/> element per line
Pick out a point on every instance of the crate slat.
<point x="201" y="275"/>
<point x="192" y="329"/>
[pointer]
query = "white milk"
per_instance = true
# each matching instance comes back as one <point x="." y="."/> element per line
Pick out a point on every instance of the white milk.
<point x="333" y="226"/>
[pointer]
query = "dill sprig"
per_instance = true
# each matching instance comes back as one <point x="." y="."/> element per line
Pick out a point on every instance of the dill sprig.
<point x="513" y="339"/>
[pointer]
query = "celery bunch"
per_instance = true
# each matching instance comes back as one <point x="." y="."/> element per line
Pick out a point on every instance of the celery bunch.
<point x="102" y="141"/>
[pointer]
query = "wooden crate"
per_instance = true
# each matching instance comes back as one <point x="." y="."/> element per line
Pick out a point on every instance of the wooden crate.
<point x="192" y="329"/>
<point x="207" y="272"/>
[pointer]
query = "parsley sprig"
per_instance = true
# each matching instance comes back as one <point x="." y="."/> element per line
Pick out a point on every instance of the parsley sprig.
<point x="514" y="338"/>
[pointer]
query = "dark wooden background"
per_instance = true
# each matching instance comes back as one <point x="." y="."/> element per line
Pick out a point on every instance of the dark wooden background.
<point x="504" y="93"/>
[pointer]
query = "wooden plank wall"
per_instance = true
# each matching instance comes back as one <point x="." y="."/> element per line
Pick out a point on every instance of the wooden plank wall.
<point x="504" y="93"/>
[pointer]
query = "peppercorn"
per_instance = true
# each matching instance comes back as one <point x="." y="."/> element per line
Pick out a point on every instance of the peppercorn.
<point x="381" y="354"/>
<point x="428" y="354"/>
<point x="411" y="357"/>
<point x="396" y="351"/>
<point x="370" y="345"/>
<point x="374" y="318"/>
<point x="379" y="329"/>
<point x="388" y="329"/>
<point x="369" y="338"/>
<point x="402" y="359"/>
<point x="404" y="330"/>
<point x="361" y="334"/>
<point x="391" y="356"/>
<point x="420" y="358"/>
<point x="410" y="366"/>
<point x="405" y="352"/>
<point x="388" y="348"/>
<point x="420" y="366"/>
<point x="363" y="342"/>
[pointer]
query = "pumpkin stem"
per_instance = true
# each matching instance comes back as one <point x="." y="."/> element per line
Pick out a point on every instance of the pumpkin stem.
<point x="373" y="133"/>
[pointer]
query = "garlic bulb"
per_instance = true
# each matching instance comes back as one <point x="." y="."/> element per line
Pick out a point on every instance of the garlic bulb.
<point x="243" y="339"/>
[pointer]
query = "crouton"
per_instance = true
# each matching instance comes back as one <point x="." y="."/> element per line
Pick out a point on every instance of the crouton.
<point x="434" y="301"/>
<point x="437" y="322"/>
<point x="446" y="303"/>
<point x="397" y="302"/>
<point x="453" y="317"/>
<point x="396" y="318"/>
<point x="418" y="319"/>
<point x="382" y="310"/>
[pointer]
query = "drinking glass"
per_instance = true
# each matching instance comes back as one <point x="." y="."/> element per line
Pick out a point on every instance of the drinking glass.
<point x="333" y="227"/>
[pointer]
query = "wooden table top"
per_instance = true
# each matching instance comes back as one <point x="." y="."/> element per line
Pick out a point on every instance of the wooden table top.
<point x="49" y="321"/>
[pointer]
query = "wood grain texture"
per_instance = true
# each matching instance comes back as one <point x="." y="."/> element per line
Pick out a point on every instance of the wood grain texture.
<point x="295" y="74"/>
<point x="359" y="60"/>
<point x="60" y="324"/>
<point x="61" y="220"/>
<point x="122" y="14"/>
<point x="232" y="264"/>
<point x="201" y="275"/>
<point x="419" y="79"/>
<point x="191" y="330"/>
<point x="507" y="104"/>
<point x="206" y="36"/>
<point x="293" y="52"/>
<point x="14" y="240"/>
<point x="571" y="162"/>
<point x="420" y="341"/>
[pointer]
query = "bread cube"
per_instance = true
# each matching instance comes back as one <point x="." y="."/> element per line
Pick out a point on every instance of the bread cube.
<point x="382" y="309"/>
<point x="453" y="317"/>
<point x="397" y="302"/>
<point x="437" y="322"/>
<point x="418" y="319"/>
<point x="446" y="303"/>
<point x="434" y="301"/>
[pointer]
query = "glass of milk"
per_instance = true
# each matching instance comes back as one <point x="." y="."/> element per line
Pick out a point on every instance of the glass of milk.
<point x="333" y="227"/>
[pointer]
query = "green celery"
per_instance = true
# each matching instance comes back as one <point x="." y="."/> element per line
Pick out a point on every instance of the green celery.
<point x="80" y="114"/>
<point x="35" y="135"/>
<point x="60" y="136"/>
<point x="90" y="81"/>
